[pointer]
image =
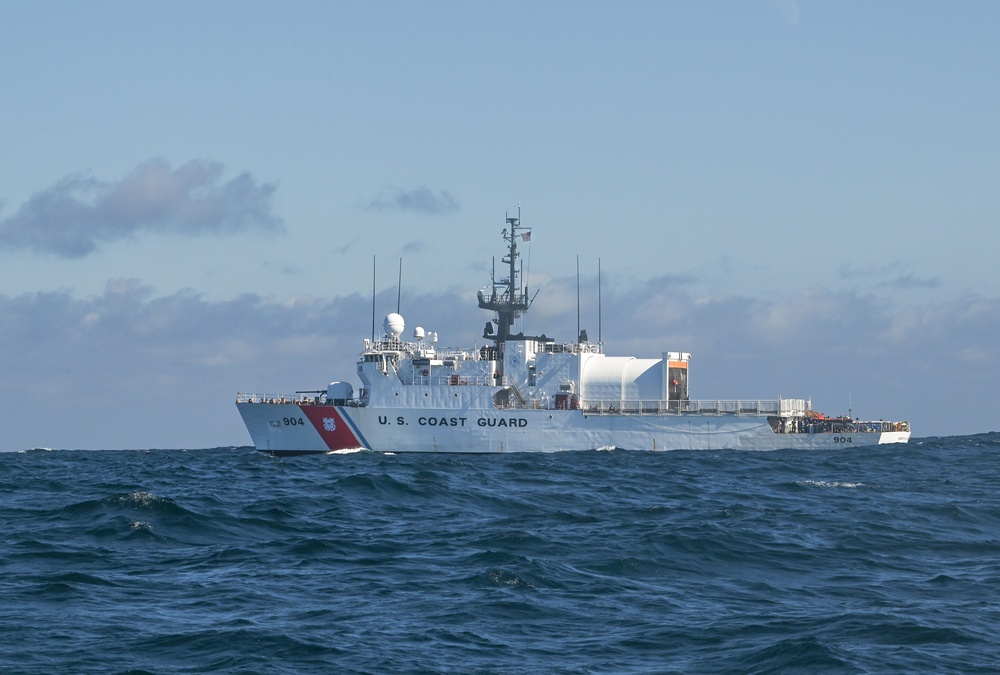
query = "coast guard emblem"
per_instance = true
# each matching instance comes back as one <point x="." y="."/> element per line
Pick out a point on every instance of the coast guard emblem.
<point x="330" y="424"/>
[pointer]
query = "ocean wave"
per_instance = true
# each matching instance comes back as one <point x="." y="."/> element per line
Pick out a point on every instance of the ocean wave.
<point x="233" y="561"/>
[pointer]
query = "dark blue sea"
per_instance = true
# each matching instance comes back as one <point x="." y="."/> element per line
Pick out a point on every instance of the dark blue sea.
<point x="877" y="560"/>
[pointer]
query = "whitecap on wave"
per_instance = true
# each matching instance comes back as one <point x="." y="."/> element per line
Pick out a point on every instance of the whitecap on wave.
<point x="345" y="451"/>
<point x="831" y="484"/>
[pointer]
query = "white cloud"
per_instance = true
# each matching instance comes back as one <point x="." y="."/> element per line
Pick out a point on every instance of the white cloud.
<point x="419" y="200"/>
<point x="73" y="217"/>
<point x="127" y="368"/>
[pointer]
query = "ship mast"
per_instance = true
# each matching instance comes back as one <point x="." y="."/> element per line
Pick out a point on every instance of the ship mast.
<point x="507" y="298"/>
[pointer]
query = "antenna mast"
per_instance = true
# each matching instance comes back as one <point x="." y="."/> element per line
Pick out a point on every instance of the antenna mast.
<point x="507" y="297"/>
<point x="399" y="284"/>
<point x="600" y="340"/>
<point x="373" y="298"/>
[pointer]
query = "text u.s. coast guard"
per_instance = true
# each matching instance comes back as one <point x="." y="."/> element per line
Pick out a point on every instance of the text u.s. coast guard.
<point x="434" y="421"/>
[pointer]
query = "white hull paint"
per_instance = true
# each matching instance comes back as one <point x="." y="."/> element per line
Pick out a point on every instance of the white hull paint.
<point x="272" y="429"/>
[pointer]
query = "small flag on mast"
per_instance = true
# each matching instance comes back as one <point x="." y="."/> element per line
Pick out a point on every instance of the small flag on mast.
<point x="526" y="236"/>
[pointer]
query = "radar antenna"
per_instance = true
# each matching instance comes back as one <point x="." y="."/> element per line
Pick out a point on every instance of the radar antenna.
<point x="507" y="297"/>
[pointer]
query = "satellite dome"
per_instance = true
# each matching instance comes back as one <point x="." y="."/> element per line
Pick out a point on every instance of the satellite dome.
<point x="393" y="325"/>
<point x="418" y="333"/>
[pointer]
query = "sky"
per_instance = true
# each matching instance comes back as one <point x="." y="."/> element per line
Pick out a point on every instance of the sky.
<point x="803" y="195"/>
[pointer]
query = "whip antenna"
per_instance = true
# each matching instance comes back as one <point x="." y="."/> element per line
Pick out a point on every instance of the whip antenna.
<point x="600" y="340"/>
<point x="399" y="284"/>
<point x="578" y="298"/>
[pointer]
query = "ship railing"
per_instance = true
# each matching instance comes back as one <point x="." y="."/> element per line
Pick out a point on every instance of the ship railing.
<point x="569" y="348"/>
<point x="454" y="380"/>
<point x="708" y="407"/>
<point x="839" y="425"/>
<point x="295" y="399"/>
<point x="391" y="345"/>
<point x="292" y="399"/>
<point x="387" y="343"/>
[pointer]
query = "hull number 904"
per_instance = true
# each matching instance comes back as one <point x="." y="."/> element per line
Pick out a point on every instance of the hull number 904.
<point x="842" y="439"/>
<point x="293" y="421"/>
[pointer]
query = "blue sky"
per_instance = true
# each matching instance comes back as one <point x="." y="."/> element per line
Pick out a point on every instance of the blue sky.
<point x="801" y="194"/>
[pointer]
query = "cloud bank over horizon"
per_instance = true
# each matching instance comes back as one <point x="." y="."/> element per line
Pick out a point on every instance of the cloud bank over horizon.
<point x="420" y="200"/>
<point x="163" y="371"/>
<point x="78" y="213"/>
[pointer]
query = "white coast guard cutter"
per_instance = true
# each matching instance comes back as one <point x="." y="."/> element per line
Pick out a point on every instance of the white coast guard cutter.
<point x="526" y="393"/>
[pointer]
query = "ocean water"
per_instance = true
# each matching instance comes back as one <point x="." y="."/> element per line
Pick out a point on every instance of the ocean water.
<point x="862" y="560"/>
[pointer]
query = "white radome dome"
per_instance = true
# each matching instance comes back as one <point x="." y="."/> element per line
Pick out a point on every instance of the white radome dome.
<point x="393" y="325"/>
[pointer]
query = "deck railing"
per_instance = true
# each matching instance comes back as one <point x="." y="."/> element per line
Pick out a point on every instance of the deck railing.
<point x="297" y="399"/>
<point x="788" y="407"/>
<point x="716" y="407"/>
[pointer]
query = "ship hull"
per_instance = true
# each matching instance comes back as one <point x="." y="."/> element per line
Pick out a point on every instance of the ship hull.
<point x="286" y="428"/>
